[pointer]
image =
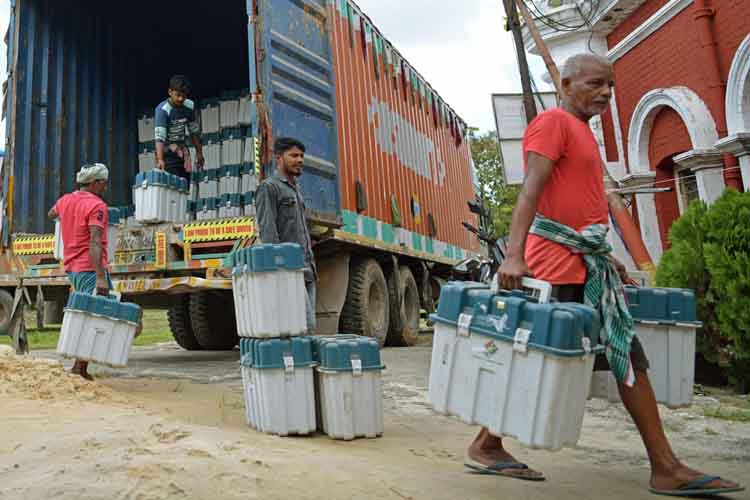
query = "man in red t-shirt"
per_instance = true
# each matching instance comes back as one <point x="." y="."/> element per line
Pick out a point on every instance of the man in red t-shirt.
<point x="565" y="183"/>
<point x="84" y="218"/>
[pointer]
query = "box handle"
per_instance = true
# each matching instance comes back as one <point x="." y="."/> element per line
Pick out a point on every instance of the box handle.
<point x="288" y="363"/>
<point x="464" y="323"/>
<point x="529" y="285"/>
<point x="521" y="340"/>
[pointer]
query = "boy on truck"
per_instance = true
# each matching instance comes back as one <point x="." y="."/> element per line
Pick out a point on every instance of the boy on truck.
<point x="172" y="118"/>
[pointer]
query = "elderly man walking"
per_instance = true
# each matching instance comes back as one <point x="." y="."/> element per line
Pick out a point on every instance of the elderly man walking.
<point x="558" y="234"/>
<point x="84" y="218"/>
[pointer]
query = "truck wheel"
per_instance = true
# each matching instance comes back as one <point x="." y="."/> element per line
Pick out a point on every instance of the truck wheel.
<point x="366" y="308"/>
<point x="213" y="320"/>
<point x="6" y="309"/>
<point x="404" y="331"/>
<point x="178" y="316"/>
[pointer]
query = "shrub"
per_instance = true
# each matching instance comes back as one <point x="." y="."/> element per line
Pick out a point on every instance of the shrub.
<point x="710" y="253"/>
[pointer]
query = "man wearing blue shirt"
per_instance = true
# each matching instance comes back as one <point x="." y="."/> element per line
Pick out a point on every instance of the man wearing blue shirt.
<point x="175" y="118"/>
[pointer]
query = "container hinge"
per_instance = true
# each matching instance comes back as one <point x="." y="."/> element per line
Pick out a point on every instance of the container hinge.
<point x="288" y="363"/>
<point x="586" y="343"/>
<point x="464" y="322"/>
<point x="356" y="366"/>
<point x="521" y="340"/>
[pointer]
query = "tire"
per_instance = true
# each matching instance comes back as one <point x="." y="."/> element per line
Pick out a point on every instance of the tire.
<point x="178" y="317"/>
<point x="213" y="320"/>
<point x="366" y="309"/>
<point x="6" y="309"/>
<point x="405" y="330"/>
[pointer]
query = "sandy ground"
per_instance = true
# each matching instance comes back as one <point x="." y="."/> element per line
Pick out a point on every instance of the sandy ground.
<point x="172" y="426"/>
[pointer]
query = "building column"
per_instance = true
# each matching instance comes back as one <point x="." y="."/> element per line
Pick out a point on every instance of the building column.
<point x="738" y="145"/>
<point x="708" y="167"/>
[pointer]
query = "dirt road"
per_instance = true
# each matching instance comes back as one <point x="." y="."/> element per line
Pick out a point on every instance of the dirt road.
<point x="177" y="430"/>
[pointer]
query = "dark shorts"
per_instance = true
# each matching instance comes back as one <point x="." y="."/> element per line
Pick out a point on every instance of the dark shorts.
<point x="574" y="293"/>
<point x="175" y="165"/>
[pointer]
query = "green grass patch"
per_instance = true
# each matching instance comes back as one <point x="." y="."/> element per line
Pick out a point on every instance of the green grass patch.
<point x="730" y="413"/>
<point x="155" y="331"/>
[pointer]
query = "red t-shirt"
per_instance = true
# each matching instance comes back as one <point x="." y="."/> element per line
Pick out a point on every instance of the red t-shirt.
<point x="574" y="193"/>
<point x="78" y="211"/>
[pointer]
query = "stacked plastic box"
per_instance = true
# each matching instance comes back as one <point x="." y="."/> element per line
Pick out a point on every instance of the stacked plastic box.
<point x="230" y="205"/>
<point x="160" y="197"/>
<point x="248" y="204"/>
<point x="230" y="179"/>
<point x="513" y="365"/>
<point x="98" y="329"/>
<point x="269" y="291"/>
<point x="59" y="250"/>
<point x="277" y="377"/>
<point x="115" y="223"/>
<point x="229" y="113"/>
<point x="207" y="209"/>
<point x="665" y="324"/>
<point x="277" y="364"/>
<point x="349" y="388"/>
<point x="146" y="157"/>
<point x="249" y="180"/>
<point x="210" y="116"/>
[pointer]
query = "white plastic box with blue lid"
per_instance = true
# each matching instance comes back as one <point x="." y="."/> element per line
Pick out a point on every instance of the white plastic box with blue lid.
<point x="160" y="197"/>
<point x="248" y="204"/>
<point x="115" y="223"/>
<point x="230" y="179"/>
<point x="59" y="250"/>
<point x="349" y="386"/>
<point x="230" y="205"/>
<point x="519" y="368"/>
<point x="277" y="378"/>
<point x="665" y="324"/>
<point x="145" y="128"/>
<point x="269" y="291"/>
<point x="232" y="141"/>
<point x="210" y="115"/>
<point x="249" y="180"/>
<point x="208" y="183"/>
<point x="207" y="209"/>
<point x="229" y="114"/>
<point x="98" y="329"/>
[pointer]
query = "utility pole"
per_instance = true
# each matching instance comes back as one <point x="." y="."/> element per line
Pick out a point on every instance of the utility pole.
<point x="514" y="26"/>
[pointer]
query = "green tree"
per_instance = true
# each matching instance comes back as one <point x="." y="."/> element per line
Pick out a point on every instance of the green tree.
<point x="495" y="194"/>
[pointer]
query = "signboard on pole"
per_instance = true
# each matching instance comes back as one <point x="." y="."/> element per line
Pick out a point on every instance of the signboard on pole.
<point x="510" y="120"/>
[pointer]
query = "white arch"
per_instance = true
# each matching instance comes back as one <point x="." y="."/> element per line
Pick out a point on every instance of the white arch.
<point x="738" y="90"/>
<point x="703" y="135"/>
<point x="691" y="108"/>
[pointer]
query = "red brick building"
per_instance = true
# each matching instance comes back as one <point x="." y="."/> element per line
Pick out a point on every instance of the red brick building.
<point x="680" y="116"/>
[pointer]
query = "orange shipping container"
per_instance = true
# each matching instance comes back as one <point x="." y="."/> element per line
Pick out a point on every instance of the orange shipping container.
<point x="405" y="169"/>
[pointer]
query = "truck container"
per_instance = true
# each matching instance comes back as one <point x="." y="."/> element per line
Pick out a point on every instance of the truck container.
<point x="387" y="172"/>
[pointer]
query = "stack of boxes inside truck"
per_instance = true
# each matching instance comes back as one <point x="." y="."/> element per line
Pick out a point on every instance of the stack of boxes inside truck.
<point x="295" y="384"/>
<point x="226" y="185"/>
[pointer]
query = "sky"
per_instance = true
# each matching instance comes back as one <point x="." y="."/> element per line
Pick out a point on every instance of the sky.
<point x="460" y="48"/>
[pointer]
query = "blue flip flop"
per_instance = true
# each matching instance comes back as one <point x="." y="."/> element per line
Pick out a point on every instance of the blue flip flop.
<point x="500" y="468"/>
<point x="696" y="488"/>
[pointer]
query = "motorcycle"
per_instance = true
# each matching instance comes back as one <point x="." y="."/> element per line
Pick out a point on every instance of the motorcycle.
<point x="482" y="269"/>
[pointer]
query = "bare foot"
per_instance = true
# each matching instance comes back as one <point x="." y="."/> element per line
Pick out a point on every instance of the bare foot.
<point x="488" y="450"/>
<point x="683" y="475"/>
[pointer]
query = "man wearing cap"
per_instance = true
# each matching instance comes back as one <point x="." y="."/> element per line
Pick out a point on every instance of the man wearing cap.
<point x="83" y="219"/>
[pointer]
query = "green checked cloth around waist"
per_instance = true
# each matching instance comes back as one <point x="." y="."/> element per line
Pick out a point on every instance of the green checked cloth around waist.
<point x="603" y="289"/>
